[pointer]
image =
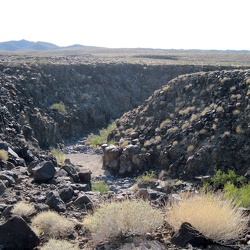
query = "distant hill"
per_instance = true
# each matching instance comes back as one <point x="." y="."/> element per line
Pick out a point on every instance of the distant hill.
<point x="28" y="45"/>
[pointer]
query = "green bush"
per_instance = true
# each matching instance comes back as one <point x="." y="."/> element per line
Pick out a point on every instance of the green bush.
<point x="100" y="186"/>
<point x="60" y="107"/>
<point x="147" y="176"/>
<point x="221" y="178"/>
<point x="234" y="186"/>
<point x="102" y="136"/>
<point x="239" y="194"/>
<point x="58" y="154"/>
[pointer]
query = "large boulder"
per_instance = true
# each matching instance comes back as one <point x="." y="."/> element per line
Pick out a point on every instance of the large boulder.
<point x="15" y="234"/>
<point x="111" y="158"/>
<point x="44" y="171"/>
<point x="188" y="235"/>
<point x="54" y="201"/>
<point x="122" y="161"/>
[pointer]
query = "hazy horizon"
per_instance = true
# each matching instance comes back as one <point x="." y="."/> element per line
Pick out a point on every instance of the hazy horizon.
<point x="158" y="24"/>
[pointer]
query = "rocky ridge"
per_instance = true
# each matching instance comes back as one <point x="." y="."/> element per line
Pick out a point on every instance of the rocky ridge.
<point x="90" y="95"/>
<point x="189" y="127"/>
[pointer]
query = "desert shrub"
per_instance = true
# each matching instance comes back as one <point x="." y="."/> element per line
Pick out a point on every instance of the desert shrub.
<point x="4" y="155"/>
<point x="100" y="186"/>
<point x="58" y="154"/>
<point x="23" y="209"/>
<point x="51" y="224"/>
<point x="215" y="217"/>
<point x="147" y="176"/>
<point x="165" y="123"/>
<point x="221" y="178"/>
<point x="123" y="218"/>
<point x="102" y="136"/>
<point x="60" y="107"/>
<point x="240" y="194"/>
<point x="54" y="244"/>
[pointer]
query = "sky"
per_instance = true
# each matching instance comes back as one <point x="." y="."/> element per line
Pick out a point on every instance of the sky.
<point x="166" y="24"/>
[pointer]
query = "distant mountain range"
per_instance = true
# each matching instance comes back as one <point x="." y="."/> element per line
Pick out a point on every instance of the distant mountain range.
<point x="27" y="45"/>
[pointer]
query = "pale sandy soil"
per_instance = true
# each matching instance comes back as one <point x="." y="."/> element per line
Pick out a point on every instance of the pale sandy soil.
<point x="92" y="162"/>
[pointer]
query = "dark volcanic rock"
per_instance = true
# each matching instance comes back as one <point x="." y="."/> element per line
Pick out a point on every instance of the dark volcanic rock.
<point x="66" y="193"/>
<point x="90" y="94"/>
<point x="187" y="128"/>
<point x="85" y="176"/>
<point x="83" y="201"/>
<point x="44" y="172"/>
<point x="54" y="201"/>
<point x="2" y="187"/>
<point x="187" y="234"/>
<point x="15" y="234"/>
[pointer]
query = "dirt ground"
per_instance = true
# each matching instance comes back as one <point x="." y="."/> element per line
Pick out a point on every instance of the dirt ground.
<point x="92" y="162"/>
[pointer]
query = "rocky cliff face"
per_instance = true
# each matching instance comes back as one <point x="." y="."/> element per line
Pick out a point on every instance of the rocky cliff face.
<point x="189" y="127"/>
<point x="92" y="95"/>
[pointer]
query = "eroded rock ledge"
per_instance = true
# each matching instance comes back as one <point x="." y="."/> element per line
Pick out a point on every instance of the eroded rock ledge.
<point x="189" y="127"/>
<point x="92" y="95"/>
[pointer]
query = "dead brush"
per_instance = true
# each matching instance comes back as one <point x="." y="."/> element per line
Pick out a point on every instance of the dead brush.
<point x="121" y="218"/>
<point x="212" y="215"/>
<point x="4" y="155"/>
<point x="51" y="224"/>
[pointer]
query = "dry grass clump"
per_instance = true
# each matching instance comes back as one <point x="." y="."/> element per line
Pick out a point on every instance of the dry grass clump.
<point x="51" y="224"/>
<point x="4" y="155"/>
<point x="58" y="154"/>
<point x="123" y="218"/>
<point x="23" y="209"/>
<point x="215" y="217"/>
<point x="54" y="244"/>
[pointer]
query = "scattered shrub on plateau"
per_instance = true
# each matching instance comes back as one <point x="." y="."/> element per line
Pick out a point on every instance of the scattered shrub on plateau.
<point x="215" y="217"/>
<point x="122" y="218"/>
<point x="4" y="155"/>
<point x="60" y="107"/>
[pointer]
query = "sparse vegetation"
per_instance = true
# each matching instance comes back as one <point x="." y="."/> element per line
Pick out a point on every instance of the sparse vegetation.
<point x="60" y="107"/>
<point x="215" y="217"/>
<point x="147" y="176"/>
<point x="234" y="186"/>
<point x="23" y="209"/>
<point x="54" y="244"/>
<point x="100" y="186"/>
<point x="4" y="155"/>
<point x="102" y="137"/>
<point x="123" y="218"/>
<point x="221" y="178"/>
<point x="58" y="154"/>
<point x="239" y="194"/>
<point x="51" y="224"/>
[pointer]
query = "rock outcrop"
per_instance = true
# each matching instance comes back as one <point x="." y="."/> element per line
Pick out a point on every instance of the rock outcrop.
<point x="189" y="127"/>
<point x="46" y="103"/>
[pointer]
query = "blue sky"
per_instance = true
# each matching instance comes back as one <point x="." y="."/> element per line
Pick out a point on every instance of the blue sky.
<point x="168" y="24"/>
